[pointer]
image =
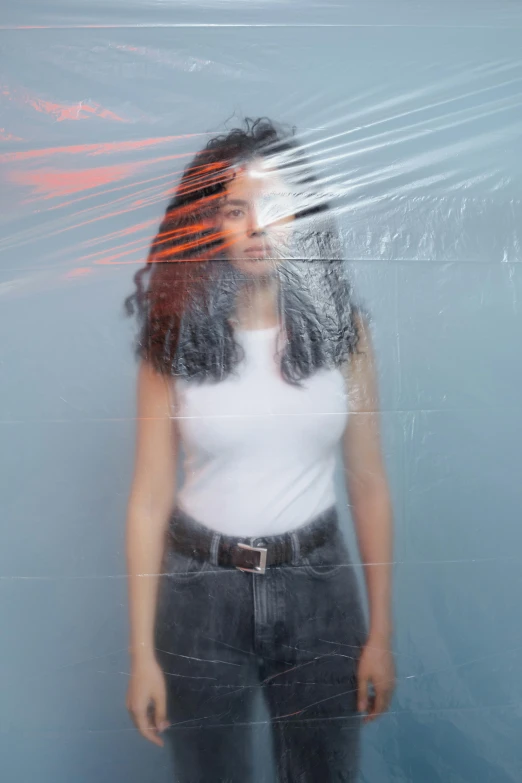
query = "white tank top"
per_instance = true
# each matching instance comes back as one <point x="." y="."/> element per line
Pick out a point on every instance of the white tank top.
<point x="259" y="453"/>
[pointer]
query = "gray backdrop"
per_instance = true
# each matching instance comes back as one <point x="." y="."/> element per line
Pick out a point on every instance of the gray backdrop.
<point x="416" y="113"/>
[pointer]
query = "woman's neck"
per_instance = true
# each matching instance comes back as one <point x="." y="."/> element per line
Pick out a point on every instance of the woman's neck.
<point x="257" y="304"/>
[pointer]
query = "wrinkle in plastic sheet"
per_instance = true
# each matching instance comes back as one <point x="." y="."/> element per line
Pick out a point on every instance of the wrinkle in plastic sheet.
<point x="411" y="119"/>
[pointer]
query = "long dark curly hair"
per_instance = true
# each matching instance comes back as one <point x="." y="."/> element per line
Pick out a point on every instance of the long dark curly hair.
<point x="186" y="294"/>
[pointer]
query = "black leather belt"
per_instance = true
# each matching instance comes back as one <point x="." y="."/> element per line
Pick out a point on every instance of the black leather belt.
<point x="192" y="539"/>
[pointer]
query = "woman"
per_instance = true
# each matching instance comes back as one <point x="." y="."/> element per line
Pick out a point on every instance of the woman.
<point x="256" y="366"/>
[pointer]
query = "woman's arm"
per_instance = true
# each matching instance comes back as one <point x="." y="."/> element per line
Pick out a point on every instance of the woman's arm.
<point x="372" y="514"/>
<point x="150" y="504"/>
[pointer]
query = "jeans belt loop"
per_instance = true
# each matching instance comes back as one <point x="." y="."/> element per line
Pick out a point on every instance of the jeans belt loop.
<point x="214" y="548"/>
<point x="296" y="547"/>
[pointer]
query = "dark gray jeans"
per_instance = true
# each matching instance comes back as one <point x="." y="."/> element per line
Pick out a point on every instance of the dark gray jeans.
<point x="294" y="633"/>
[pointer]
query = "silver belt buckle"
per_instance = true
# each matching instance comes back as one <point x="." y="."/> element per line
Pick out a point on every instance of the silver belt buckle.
<point x="261" y="568"/>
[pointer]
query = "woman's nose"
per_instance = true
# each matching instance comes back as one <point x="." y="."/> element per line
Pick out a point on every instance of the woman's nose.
<point x="255" y="225"/>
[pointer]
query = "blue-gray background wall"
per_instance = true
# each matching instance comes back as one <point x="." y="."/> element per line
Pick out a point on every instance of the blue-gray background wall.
<point x="416" y="112"/>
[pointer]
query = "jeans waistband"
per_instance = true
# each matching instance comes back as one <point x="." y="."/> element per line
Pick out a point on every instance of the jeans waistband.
<point x="195" y="539"/>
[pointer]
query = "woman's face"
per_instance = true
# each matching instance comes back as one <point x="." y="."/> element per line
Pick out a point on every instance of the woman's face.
<point x="255" y="220"/>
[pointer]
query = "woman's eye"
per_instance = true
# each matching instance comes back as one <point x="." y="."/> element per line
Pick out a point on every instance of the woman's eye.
<point x="235" y="213"/>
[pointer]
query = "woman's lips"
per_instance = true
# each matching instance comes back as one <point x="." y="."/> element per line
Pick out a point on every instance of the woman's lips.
<point x="255" y="250"/>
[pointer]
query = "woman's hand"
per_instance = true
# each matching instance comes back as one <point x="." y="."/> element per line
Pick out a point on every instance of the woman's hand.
<point x="376" y="671"/>
<point x="147" y="700"/>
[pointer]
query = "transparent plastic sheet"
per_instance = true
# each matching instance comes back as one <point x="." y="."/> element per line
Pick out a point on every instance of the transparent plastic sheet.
<point x="411" y="120"/>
